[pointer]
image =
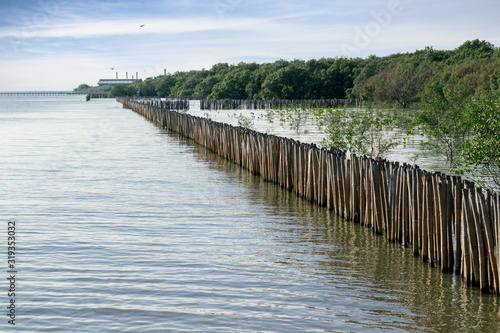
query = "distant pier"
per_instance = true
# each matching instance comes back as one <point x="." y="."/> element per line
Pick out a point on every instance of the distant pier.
<point x="36" y="93"/>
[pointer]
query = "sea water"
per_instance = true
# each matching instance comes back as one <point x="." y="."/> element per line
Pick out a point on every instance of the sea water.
<point x="122" y="226"/>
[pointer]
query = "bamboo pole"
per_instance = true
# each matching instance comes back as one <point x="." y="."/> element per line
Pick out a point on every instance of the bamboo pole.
<point x="414" y="212"/>
<point x="457" y="193"/>
<point x="405" y="208"/>
<point x="472" y="235"/>
<point x="442" y="224"/>
<point x="483" y="283"/>
<point x="430" y="221"/>
<point x="384" y="193"/>
<point x="449" y="225"/>
<point x="490" y="237"/>
<point x="377" y="204"/>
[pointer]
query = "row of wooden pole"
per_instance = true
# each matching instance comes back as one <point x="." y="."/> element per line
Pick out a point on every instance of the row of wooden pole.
<point x="231" y="104"/>
<point x="169" y="104"/>
<point x="275" y="104"/>
<point x="445" y="220"/>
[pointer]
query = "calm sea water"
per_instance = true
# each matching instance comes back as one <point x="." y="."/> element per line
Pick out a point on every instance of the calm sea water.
<point x="125" y="227"/>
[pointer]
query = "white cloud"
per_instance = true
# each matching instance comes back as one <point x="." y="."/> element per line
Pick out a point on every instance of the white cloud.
<point x="86" y="29"/>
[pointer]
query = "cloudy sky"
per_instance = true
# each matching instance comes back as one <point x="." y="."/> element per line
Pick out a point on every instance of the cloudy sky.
<point x="59" y="44"/>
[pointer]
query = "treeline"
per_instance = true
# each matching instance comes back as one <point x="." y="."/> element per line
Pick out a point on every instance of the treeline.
<point x="399" y="78"/>
<point x="86" y="89"/>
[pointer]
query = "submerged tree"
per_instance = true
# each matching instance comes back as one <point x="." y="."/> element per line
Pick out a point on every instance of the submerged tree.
<point x="482" y="150"/>
<point x="359" y="131"/>
<point x="441" y="118"/>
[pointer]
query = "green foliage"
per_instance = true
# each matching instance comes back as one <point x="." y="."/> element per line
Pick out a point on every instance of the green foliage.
<point x="233" y="86"/>
<point x="362" y="131"/>
<point x="495" y="80"/>
<point x="473" y="50"/>
<point x="442" y="120"/>
<point x="288" y="82"/>
<point x="186" y="82"/>
<point x="407" y="80"/>
<point x="205" y="87"/>
<point x="482" y="150"/>
<point x="402" y="78"/>
<point x="340" y="77"/>
<point x="81" y="87"/>
<point x="294" y="117"/>
<point x="146" y="88"/>
<point x="86" y="89"/>
<point x="245" y="121"/>
<point x="472" y="77"/>
<point x="123" y="90"/>
<point x="164" y="85"/>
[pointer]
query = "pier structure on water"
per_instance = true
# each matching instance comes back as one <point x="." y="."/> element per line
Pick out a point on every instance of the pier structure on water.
<point x="88" y="96"/>
<point x="37" y="93"/>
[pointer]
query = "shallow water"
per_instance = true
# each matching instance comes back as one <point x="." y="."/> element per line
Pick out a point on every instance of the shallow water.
<point x="308" y="129"/>
<point x="125" y="227"/>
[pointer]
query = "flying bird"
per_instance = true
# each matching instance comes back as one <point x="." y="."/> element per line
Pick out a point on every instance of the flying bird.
<point x="112" y="68"/>
<point x="142" y="25"/>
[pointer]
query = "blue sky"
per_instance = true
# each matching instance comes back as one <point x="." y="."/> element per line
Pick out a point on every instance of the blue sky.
<point x="59" y="44"/>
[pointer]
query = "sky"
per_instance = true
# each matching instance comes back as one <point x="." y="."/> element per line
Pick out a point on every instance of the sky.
<point x="60" y="44"/>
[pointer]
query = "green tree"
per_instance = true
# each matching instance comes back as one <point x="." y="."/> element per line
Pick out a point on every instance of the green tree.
<point x="287" y="82"/>
<point x="205" y="87"/>
<point x="164" y="85"/>
<point x="340" y="77"/>
<point x="146" y="88"/>
<point x="122" y="90"/>
<point x="407" y="80"/>
<point x="86" y="89"/>
<point x="186" y="82"/>
<point x="359" y="131"/>
<point x="399" y="82"/>
<point x="441" y="118"/>
<point x="482" y="150"/>
<point x="472" y="50"/>
<point x="257" y="78"/>
<point x="495" y="80"/>
<point x="82" y="87"/>
<point x="473" y="76"/>
<point x="319" y="83"/>
<point x="233" y="86"/>
<point x="219" y="69"/>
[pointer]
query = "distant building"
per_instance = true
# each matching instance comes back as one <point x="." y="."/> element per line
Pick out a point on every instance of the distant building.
<point x="115" y="82"/>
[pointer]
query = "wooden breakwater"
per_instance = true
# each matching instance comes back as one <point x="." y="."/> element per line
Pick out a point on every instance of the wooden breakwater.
<point x="256" y="104"/>
<point x="169" y="103"/>
<point x="275" y="104"/>
<point x="449" y="222"/>
<point x="89" y="96"/>
<point x="98" y="95"/>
